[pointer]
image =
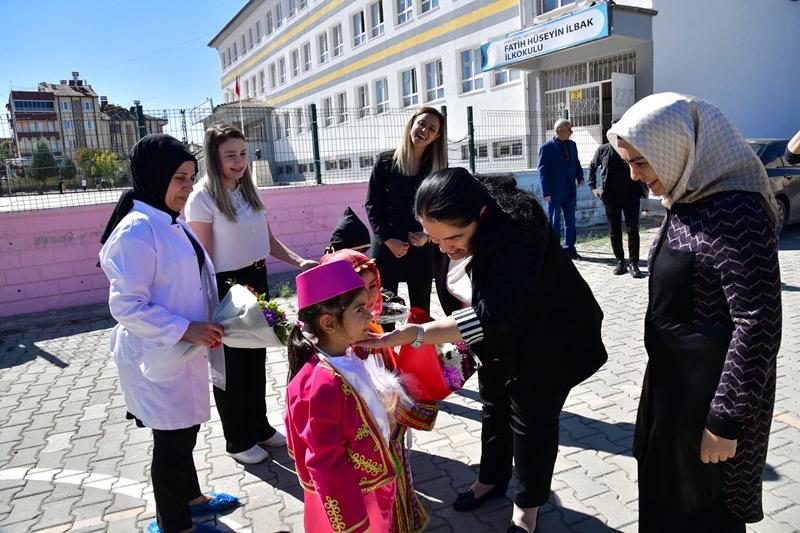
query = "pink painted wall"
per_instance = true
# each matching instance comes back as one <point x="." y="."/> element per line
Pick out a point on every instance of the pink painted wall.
<point x="48" y="258"/>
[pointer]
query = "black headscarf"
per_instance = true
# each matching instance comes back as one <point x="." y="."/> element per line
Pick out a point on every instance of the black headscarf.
<point x="154" y="160"/>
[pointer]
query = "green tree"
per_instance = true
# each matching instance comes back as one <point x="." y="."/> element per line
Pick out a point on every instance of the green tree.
<point x="43" y="164"/>
<point x="85" y="158"/>
<point x="5" y="153"/>
<point x="68" y="170"/>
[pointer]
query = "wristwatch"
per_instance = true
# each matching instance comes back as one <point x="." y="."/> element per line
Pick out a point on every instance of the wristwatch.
<point x="420" y="336"/>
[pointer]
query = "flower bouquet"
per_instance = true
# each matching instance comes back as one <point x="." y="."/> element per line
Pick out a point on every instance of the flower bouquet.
<point x="430" y="372"/>
<point x="250" y="320"/>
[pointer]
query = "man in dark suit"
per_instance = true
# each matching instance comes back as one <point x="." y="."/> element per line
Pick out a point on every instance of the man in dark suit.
<point x="560" y="173"/>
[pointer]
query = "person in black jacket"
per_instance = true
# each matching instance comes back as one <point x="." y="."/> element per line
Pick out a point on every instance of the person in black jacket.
<point x="522" y="307"/>
<point x="399" y="246"/>
<point x="620" y="195"/>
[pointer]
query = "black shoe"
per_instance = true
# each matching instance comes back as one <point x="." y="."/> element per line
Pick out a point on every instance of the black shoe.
<point x="620" y="268"/>
<point x="633" y="270"/>
<point x="513" y="528"/>
<point x="466" y="501"/>
<point x="574" y="255"/>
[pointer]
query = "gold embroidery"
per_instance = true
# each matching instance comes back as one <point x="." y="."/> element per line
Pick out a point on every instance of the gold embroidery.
<point x="362" y="432"/>
<point x="346" y="388"/>
<point x="334" y="514"/>
<point x="360" y="462"/>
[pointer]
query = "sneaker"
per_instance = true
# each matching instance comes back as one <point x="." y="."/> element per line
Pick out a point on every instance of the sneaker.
<point x="620" y="268"/>
<point x="254" y="455"/>
<point x="633" y="270"/>
<point x="277" y="440"/>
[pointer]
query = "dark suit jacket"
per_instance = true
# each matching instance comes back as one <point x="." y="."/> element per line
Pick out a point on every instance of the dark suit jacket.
<point x="559" y="177"/>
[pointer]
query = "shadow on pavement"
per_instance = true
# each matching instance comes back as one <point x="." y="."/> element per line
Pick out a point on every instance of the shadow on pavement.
<point x="278" y="472"/>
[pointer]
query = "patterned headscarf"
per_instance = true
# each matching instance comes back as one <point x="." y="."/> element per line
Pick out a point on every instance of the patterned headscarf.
<point x="693" y="148"/>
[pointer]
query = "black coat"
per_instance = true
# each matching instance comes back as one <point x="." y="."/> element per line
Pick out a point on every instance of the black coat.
<point x="390" y="209"/>
<point x="615" y="177"/>
<point x="540" y="320"/>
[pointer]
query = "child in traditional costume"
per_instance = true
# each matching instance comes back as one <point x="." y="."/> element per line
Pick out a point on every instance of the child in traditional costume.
<point x="337" y="424"/>
<point x="409" y="514"/>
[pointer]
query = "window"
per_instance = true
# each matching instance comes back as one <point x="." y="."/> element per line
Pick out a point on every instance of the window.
<point x="282" y="70"/>
<point x="278" y="15"/>
<point x="289" y="169"/>
<point x="327" y="115"/>
<point x="258" y="31"/>
<point x="409" y="83"/>
<point x="306" y="57"/>
<point x="504" y="76"/>
<point x="471" y="75"/>
<point x="292" y="8"/>
<point x="235" y="52"/>
<point x="381" y="95"/>
<point x="253" y="83"/>
<point x="341" y="108"/>
<point x="277" y="123"/>
<point x="87" y="105"/>
<point x="298" y="118"/>
<point x="67" y="124"/>
<point x="376" y="18"/>
<point x="65" y="105"/>
<point x="279" y="170"/>
<point x="250" y="38"/>
<point x="481" y="151"/>
<point x="246" y="88"/>
<point x="244" y="45"/>
<point x="273" y="76"/>
<point x="507" y="149"/>
<point x="405" y="10"/>
<point x="359" y="29"/>
<point x="222" y="60"/>
<point x="261" y="82"/>
<point x="549" y="5"/>
<point x="345" y="164"/>
<point x="287" y="124"/>
<point x="362" y="97"/>
<point x="303" y="4"/>
<point x="366" y="161"/>
<point x="228" y="55"/>
<point x="427" y="5"/>
<point x="330" y="164"/>
<point x="87" y="124"/>
<point x="323" y="47"/>
<point x="294" y="59"/>
<point x="434" y="81"/>
<point x="338" y="40"/>
<point x="269" y="23"/>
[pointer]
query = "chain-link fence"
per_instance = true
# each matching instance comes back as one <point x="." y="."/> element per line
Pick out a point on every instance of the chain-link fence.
<point x="60" y="158"/>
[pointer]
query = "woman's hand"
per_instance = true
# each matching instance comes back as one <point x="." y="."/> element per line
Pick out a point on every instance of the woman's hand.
<point x="405" y="334"/>
<point x="397" y="247"/>
<point x="204" y="334"/>
<point x="418" y="238"/>
<point x="306" y="264"/>
<point x="714" y="449"/>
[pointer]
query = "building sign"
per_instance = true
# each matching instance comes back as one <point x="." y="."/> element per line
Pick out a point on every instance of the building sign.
<point x="578" y="28"/>
<point x="576" y="95"/>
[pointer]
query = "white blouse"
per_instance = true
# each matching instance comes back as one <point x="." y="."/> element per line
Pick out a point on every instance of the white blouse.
<point x="458" y="282"/>
<point x="236" y="244"/>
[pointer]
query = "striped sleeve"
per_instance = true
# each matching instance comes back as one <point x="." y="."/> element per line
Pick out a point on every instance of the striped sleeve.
<point x="469" y="325"/>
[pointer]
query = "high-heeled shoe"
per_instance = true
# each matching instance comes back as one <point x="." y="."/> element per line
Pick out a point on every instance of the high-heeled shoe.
<point x="467" y="501"/>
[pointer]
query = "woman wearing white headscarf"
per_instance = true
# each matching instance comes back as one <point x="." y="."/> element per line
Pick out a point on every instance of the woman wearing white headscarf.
<point x="713" y="323"/>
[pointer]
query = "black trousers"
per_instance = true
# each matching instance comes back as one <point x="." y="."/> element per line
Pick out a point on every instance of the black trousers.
<point x="520" y="422"/>
<point x="615" y="207"/>
<point x="656" y="517"/>
<point x="174" y="477"/>
<point x="242" y="406"/>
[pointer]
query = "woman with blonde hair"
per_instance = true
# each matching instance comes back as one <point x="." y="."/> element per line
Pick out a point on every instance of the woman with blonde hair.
<point x="227" y="215"/>
<point x="399" y="246"/>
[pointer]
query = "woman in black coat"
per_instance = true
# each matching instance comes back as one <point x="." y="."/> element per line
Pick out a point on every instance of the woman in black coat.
<point x="399" y="246"/>
<point x="524" y="310"/>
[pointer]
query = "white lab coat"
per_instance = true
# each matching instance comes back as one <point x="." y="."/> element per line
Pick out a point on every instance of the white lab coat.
<point x="156" y="290"/>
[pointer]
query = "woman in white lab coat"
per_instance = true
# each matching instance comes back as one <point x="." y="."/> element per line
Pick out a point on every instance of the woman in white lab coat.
<point x="162" y="295"/>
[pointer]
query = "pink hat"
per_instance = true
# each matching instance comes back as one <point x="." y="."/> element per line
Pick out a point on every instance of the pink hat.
<point x="325" y="281"/>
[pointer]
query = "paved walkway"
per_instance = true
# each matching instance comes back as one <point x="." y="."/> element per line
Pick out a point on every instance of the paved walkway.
<point x="69" y="461"/>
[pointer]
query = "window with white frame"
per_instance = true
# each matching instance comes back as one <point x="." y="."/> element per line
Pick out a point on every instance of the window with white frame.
<point x="409" y="84"/>
<point x="294" y="59"/>
<point x="359" y="29"/>
<point x="345" y="164"/>
<point x="306" y="57"/>
<point x="244" y="45"/>
<point x="434" y="81"/>
<point x="258" y="31"/>
<point x="303" y="4"/>
<point x="505" y="75"/>
<point x="65" y="105"/>
<point x="250" y="38"/>
<point x="327" y="115"/>
<point x="376" y="18"/>
<point x="322" y="46"/>
<point x="287" y="124"/>
<point x="87" y="105"/>
<point x="278" y="15"/>
<point x="405" y="10"/>
<point x="277" y="128"/>
<point x="362" y="97"/>
<point x="292" y="8"/>
<point x="299" y="119"/>
<point x="330" y="164"/>
<point x="366" y="161"/>
<point x="235" y="52"/>
<point x="222" y="60"/>
<point x="381" y="95"/>
<point x="253" y="84"/>
<point x="481" y="151"/>
<point x="228" y="55"/>
<point x="549" y="5"/>
<point x="261" y="83"/>
<point x="341" y="108"/>
<point x="269" y="23"/>
<point x="67" y="124"/>
<point x="273" y="76"/>
<point x="471" y="75"/>
<point x="427" y="5"/>
<point x="282" y="70"/>
<point x="338" y="40"/>
<point x="246" y="88"/>
<point x="502" y="149"/>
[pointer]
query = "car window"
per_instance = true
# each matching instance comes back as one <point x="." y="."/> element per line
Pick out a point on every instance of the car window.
<point x="757" y="147"/>
<point x="774" y="163"/>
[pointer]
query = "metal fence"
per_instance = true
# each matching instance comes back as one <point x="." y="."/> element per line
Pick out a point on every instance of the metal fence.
<point x="59" y="159"/>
